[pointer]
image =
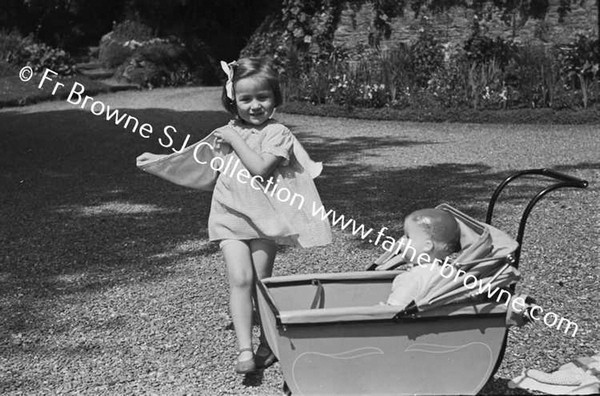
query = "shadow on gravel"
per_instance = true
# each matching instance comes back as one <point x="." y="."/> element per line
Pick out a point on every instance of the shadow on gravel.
<point x="254" y="379"/>
<point x="377" y="196"/>
<point x="78" y="215"/>
<point x="500" y="387"/>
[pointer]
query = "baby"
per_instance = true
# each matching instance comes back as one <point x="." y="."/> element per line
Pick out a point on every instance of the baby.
<point x="431" y="236"/>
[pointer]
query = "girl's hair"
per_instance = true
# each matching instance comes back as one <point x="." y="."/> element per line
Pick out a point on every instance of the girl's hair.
<point x="251" y="67"/>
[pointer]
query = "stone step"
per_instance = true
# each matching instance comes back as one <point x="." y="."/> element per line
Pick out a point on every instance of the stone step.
<point x="89" y="65"/>
<point x="97" y="74"/>
<point x="117" y="85"/>
<point x="93" y="51"/>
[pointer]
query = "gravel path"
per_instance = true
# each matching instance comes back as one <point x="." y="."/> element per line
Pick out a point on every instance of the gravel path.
<point x="108" y="284"/>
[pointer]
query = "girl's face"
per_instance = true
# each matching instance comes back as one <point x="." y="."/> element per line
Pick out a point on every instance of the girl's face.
<point x="254" y="99"/>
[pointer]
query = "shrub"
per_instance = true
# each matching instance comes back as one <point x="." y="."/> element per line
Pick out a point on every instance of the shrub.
<point x="581" y="56"/>
<point x="357" y="78"/>
<point x="269" y="40"/>
<point x="113" y="53"/>
<point x="118" y="45"/>
<point x="41" y="56"/>
<point x="368" y="82"/>
<point x="397" y="71"/>
<point x="484" y="49"/>
<point x="427" y="56"/>
<point x="342" y="90"/>
<point x="158" y="62"/>
<point x="7" y="69"/>
<point x="486" y="85"/>
<point x="484" y="73"/>
<point x="533" y="77"/>
<point x="22" y="51"/>
<point x="580" y="65"/>
<point x="373" y="95"/>
<point x="154" y="62"/>
<point x="450" y="83"/>
<point x="131" y="30"/>
<point x="205" y="69"/>
<point x="315" y="80"/>
<point x="11" y="44"/>
<point x="480" y="48"/>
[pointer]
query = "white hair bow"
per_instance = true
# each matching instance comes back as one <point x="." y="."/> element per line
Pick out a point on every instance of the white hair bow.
<point x="228" y="69"/>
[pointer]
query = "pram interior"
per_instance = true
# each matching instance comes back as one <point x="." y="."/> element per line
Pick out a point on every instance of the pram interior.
<point x="332" y="336"/>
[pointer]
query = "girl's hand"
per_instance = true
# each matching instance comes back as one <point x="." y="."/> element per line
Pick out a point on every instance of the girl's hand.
<point x="257" y="164"/>
<point x="227" y="136"/>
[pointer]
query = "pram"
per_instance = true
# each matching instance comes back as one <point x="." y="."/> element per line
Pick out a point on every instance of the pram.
<point x="332" y="336"/>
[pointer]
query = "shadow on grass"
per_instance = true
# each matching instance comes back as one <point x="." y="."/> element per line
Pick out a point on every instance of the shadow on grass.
<point x="78" y="215"/>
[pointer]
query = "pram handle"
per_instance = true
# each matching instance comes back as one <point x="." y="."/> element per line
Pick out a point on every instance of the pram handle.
<point x="571" y="180"/>
<point x="564" y="182"/>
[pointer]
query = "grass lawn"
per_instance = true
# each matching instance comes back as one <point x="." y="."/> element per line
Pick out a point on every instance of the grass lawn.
<point x="109" y="285"/>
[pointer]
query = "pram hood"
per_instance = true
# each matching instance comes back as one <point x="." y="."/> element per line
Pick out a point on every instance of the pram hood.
<point x="483" y="266"/>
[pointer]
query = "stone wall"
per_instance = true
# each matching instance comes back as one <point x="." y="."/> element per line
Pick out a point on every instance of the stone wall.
<point x="453" y="26"/>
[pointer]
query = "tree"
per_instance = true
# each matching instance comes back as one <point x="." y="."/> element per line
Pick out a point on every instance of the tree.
<point x="224" y="25"/>
<point x="62" y="23"/>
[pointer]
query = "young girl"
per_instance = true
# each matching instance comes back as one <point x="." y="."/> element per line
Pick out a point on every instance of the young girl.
<point x="265" y="199"/>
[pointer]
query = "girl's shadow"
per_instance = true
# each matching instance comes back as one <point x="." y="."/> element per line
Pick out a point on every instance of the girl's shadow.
<point x="253" y="379"/>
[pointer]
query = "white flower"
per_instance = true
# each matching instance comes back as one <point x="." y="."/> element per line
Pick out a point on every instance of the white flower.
<point x="132" y="44"/>
<point x="486" y="95"/>
<point x="504" y="94"/>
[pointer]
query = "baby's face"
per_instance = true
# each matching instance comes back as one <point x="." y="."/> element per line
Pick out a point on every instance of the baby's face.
<point x="418" y="240"/>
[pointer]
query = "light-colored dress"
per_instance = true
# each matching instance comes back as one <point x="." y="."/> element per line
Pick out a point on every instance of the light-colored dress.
<point x="280" y="208"/>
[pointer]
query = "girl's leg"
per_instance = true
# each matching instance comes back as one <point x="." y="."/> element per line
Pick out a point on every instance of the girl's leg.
<point x="238" y="258"/>
<point x="263" y="256"/>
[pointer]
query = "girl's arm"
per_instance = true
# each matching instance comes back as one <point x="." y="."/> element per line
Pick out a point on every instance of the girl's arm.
<point x="257" y="164"/>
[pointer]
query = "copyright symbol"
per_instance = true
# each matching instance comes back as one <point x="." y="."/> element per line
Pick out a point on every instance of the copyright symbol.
<point x="26" y="73"/>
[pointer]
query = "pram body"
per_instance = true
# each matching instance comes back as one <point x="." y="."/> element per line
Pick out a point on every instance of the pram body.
<point x="365" y="350"/>
<point x="332" y="335"/>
